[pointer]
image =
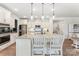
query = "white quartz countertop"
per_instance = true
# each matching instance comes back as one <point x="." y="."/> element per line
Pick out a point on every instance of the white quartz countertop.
<point x="25" y="36"/>
<point x="5" y="34"/>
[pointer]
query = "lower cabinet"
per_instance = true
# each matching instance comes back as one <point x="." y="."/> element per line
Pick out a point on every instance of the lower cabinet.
<point x="39" y="46"/>
<point x="23" y="47"/>
<point x="13" y="37"/>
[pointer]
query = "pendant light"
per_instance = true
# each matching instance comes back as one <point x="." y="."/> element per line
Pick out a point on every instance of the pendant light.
<point x="31" y="11"/>
<point x="53" y="10"/>
<point x="42" y="11"/>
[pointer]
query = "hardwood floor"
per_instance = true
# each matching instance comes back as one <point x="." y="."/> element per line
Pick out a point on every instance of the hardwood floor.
<point x="68" y="49"/>
<point x="10" y="51"/>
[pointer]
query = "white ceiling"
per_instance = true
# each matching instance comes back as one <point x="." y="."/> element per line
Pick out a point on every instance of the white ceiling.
<point x="61" y="9"/>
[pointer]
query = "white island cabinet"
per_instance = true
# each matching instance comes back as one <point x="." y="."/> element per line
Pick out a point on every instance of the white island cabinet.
<point x="23" y="47"/>
<point x="39" y="45"/>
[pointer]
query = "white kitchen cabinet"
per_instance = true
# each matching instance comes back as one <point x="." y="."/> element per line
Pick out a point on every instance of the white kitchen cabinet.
<point x="4" y="15"/>
<point x="7" y="16"/>
<point x="23" y="47"/>
<point x="12" y="21"/>
<point x="12" y="24"/>
<point x="13" y="37"/>
<point x="1" y="15"/>
<point x="23" y="21"/>
<point x="38" y="45"/>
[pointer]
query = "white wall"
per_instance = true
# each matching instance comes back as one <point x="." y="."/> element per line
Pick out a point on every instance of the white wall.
<point x="68" y="20"/>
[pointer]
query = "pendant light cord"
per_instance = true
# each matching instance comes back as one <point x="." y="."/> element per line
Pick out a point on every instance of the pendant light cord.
<point x="53" y="9"/>
<point x="42" y="9"/>
<point x="31" y="9"/>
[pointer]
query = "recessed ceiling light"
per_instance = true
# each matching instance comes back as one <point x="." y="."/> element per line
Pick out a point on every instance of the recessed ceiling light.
<point x="16" y="9"/>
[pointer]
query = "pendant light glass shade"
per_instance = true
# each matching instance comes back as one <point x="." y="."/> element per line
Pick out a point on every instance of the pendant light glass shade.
<point x="42" y="17"/>
<point x="31" y="11"/>
<point x="53" y="17"/>
<point x="53" y="11"/>
<point x="34" y="9"/>
<point x="31" y="17"/>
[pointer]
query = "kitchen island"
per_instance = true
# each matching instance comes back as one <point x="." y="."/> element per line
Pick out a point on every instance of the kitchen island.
<point x="42" y="44"/>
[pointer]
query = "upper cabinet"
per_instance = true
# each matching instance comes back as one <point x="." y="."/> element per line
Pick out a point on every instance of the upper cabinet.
<point x="12" y="22"/>
<point x="1" y="15"/>
<point x="7" y="17"/>
<point x="22" y="21"/>
<point x="4" y="15"/>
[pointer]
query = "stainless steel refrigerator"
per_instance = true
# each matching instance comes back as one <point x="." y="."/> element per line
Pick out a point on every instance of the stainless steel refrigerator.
<point x="22" y="29"/>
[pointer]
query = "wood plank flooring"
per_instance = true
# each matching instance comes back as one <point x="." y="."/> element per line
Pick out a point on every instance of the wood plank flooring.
<point x="10" y="51"/>
<point x="68" y="49"/>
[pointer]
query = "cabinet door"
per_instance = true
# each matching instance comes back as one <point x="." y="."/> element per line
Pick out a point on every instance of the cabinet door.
<point x="7" y="16"/>
<point x="4" y="15"/>
<point x="23" y="47"/>
<point x="12" y="23"/>
<point x="13" y="37"/>
<point x="1" y="15"/>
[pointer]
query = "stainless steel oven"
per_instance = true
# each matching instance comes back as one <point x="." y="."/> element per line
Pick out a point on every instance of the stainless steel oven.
<point x="4" y="33"/>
